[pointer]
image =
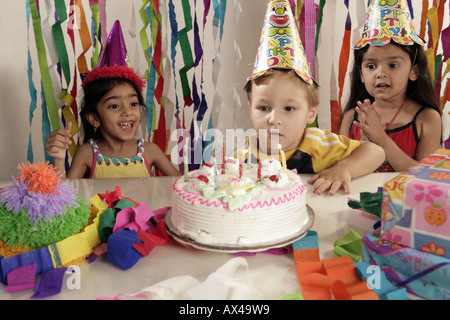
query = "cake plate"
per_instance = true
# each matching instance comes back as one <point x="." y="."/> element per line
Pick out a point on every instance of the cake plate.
<point x="183" y="239"/>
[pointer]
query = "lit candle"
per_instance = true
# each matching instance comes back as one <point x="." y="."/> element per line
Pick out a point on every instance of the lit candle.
<point x="223" y="160"/>
<point x="186" y="169"/>
<point x="186" y="164"/>
<point x="283" y="158"/>
<point x="249" y="157"/>
<point x="240" y="169"/>
<point x="216" y="179"/>
<point x="259" y="171"/>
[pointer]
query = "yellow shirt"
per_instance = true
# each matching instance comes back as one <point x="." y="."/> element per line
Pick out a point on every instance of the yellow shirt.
<point x="107" y="167"/>
<point x="319" y="150"/>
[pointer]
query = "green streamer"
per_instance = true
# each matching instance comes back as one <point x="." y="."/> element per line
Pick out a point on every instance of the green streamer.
<point x="43" y="66"/>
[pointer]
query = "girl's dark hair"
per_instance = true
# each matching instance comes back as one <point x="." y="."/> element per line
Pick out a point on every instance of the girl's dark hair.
<point x="421" y="90"/>
<point x="93" y="93"/>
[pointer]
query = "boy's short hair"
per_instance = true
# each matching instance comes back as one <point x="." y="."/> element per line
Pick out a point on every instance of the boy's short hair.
<point x="312" y="89"/>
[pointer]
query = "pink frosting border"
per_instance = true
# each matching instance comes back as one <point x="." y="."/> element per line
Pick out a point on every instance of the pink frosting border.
<point x="197" y="197"/>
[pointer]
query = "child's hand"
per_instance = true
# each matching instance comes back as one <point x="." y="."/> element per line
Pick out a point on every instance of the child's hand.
<point x="58" y="141"/>
<point x="333" y="179"/>
<point x="369" y="121"/>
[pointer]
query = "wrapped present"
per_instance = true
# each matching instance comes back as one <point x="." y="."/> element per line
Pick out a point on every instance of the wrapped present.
<point x="416" y="204"/>
<point x="423" y="274"/>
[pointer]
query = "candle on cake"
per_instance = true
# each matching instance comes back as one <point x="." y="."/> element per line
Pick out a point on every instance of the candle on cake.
<point x="259" y="171"/>
<point x="240" y="169"/>
<point x="249" y="157"/>
<point x="186" y="169"/>
<point x="216" y="178"/>
<point x="283" y="158"/>
<point x="223" y="160"/>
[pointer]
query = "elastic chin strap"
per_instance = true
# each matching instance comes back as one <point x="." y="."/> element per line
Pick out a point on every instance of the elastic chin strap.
<point x="415" y="58"/>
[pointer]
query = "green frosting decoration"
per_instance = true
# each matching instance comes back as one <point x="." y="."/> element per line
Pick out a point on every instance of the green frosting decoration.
<point x="16" y="228"/>
<point x="234" y="201"/>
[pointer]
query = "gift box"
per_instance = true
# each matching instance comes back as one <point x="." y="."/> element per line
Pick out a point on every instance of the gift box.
<point x="416" y="205"/>
<point x="424" y="274"/>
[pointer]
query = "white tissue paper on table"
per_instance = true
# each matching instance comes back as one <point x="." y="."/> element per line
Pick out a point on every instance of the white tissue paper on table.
<point x="232" y="281"/>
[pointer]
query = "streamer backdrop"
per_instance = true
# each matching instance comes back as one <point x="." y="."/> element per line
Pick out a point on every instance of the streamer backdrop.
<point x="195" y="56"/>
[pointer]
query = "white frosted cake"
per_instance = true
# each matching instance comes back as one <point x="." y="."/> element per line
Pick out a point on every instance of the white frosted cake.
<point x="236" y="206"/>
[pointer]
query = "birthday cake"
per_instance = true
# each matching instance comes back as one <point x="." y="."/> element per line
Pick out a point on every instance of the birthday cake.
<point x="239" y="206"/>
<point x="39" y="209"/>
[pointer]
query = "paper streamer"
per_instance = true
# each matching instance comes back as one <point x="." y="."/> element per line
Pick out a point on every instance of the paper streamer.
<point x="160" y="137"/>
<point x="31" y="87"/>
<point x="385" y="290"/>
<point x="85" y="38"/>
<point x="349" y="245"/>
<point x="47" y="84"/>
<point x="336" y="113"/>
<point x="49" y="284"/>
<point x="328" y="278"/>
<point x="218" y="21"/>
<point x="186" y="53"/>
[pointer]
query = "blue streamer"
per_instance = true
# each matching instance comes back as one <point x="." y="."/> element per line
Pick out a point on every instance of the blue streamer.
<point x="46" y="128"/>
<point x="220" y="10"/>
<point x="173" y="52"/>
<point x="411" y="9"/>
<point x="41" y="257"/>
<point x="386" y="290"/>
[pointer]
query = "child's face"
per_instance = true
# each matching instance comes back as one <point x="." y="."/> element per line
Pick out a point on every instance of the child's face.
<point x="119" y="113"/>
<point x="385" y="72"/>
<point x="279" y="109"/>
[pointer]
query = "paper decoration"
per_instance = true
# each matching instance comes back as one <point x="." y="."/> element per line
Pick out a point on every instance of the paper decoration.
<point x="120" y="249"/>
<point x="349" y="245"/>
<point x="21" y="278"/>
<point x="327" y="278"/>
<point x="49" y="284"/>
<point x="165" y="46"/>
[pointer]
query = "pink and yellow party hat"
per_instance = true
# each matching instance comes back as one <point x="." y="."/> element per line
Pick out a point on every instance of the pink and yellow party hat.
<point x="388" y="20"/>
<point x="113" y="61"/>
<point x="280" y="43"/>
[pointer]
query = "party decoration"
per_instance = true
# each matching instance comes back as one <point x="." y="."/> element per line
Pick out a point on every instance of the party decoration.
<point x="50" y="283"/>
<point x="175" y="49"/>
<point x="349" y="245"/>
<point x="328" y="278"/>
<point x="280" y="43"/>
<point x="21" y="278"/>
<point x="388" y="20"/>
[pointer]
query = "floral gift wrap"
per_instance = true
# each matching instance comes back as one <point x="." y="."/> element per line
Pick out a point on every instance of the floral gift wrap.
<point x="421" y="273"/>
<point x="416" y="206"/>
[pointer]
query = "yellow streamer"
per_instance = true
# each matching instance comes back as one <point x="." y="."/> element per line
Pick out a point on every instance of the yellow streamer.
<point x="82" y="244"/>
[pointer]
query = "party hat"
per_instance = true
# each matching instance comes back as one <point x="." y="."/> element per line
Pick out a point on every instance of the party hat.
<point x="388" y="20"/>
<point x="113" y="61"/>
<point x="115" y="51"/>
<point x="280" y="43"/>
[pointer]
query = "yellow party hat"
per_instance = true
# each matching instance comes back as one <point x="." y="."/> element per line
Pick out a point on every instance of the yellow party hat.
<point x="280" y="43"/>
<point x="388" y="20"/>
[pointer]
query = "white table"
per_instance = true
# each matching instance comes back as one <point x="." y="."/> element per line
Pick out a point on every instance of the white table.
<point x="261" y="276"/>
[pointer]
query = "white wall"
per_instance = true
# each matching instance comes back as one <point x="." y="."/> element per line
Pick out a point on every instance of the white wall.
<point x="242" y="31"/>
